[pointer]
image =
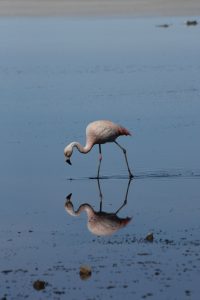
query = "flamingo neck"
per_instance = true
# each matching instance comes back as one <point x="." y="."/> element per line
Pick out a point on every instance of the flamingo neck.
<point x="87" y="208"/>
<point x="84" y="207"/>
<point x="83" y="149"/>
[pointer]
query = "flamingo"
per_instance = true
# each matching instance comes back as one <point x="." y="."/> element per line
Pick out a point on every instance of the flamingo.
<point x="99" y="132"/>
<point x="99" y="223"/>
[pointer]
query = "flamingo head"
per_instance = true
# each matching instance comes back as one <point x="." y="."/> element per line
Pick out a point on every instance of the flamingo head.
<point x="68" y="161"/>
<point x="67" y="153"/>
<point x="69" y="206"/>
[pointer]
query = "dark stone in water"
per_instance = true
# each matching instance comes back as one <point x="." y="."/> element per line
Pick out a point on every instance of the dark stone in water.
<point x="149" y="237"/>
<point x="39" y="285"/>
<point x="85" y="272"/>
<point x="191" y="23"/>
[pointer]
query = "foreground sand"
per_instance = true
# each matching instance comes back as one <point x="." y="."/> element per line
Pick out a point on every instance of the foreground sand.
<point x="99" y="8"/>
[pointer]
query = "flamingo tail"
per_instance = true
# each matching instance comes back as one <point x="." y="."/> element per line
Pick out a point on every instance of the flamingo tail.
<point x="124" y="131"/>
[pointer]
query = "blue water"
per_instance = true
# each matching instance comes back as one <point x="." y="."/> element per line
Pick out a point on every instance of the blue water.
<point x="57" y="75"/>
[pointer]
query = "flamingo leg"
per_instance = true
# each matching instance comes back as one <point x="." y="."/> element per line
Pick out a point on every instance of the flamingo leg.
<point x="100" y="159"/>
<point x="100" y="195"/>
<point x="124" y="151"/>
<point x="126" y="197"/>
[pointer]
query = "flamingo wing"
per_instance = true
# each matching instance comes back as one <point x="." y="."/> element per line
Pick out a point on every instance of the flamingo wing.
<point x="103" y="131"/>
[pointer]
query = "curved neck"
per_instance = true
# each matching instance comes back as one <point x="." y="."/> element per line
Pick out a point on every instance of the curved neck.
<point x="85" y="207"/>
<point x="83" y="149"/>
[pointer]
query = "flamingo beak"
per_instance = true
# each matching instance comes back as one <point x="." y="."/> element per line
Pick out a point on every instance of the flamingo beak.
<point x="68" y="198"/>
<point x="68" y="161"/>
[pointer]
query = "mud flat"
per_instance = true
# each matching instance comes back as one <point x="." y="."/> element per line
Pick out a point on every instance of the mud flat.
<point x="99" y="8"/>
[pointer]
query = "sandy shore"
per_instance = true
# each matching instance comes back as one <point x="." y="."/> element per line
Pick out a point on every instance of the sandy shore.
<point x="99" y="8"/>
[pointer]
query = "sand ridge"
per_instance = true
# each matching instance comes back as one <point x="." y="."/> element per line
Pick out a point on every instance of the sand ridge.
<point x="99" y="8"/>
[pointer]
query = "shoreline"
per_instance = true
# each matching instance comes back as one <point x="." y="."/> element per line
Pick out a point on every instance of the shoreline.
<point x="99" y="8"/>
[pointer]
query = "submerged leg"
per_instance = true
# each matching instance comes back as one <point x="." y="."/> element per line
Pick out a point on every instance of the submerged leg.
<point x="124" y="151"/>
<point x="100" y="159"/>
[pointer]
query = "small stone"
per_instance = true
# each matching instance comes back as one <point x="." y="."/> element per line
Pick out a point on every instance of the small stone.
<point x="85" y="272"/>
<point x="149" y="237"/>
<point x="191" y="23"/>
<point x="39" y="285"/>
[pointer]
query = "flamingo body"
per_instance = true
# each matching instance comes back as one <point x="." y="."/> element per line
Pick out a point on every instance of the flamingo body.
<point x="99" y="132"/>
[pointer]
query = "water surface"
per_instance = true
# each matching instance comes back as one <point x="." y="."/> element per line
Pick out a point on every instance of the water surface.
<point x="56" y="75"/>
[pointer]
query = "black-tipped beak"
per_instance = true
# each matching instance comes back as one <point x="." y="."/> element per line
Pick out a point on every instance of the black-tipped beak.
<point x="69" y="197"/>
<point x="69" y="161"/>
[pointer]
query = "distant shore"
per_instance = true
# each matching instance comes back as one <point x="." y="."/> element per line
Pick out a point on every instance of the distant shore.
<point x="105" y="8"/>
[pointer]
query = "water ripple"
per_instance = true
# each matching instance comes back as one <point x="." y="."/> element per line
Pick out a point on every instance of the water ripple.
<point x="149" y="174"/>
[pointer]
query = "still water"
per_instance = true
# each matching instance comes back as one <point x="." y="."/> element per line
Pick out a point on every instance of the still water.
<point x="57" y="75"/>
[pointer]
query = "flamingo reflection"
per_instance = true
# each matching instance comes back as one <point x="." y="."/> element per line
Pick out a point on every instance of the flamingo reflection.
<point x="100" y="223"/>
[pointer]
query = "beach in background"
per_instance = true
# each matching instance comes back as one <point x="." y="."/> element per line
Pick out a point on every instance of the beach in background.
<point x="107" y="8"/>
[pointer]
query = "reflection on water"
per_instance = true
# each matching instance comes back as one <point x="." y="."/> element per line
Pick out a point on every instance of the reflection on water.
<point x="100" y="222"/>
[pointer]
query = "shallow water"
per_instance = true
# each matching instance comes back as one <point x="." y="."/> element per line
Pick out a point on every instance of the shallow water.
<point x="56" y="75"/>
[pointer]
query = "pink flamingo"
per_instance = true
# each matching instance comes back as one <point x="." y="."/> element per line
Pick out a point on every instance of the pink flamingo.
<point x="100" y="222"/>
<point x="99" y="132"/>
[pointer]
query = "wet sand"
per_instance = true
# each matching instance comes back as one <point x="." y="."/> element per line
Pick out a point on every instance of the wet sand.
<point x="99" y="8"/>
